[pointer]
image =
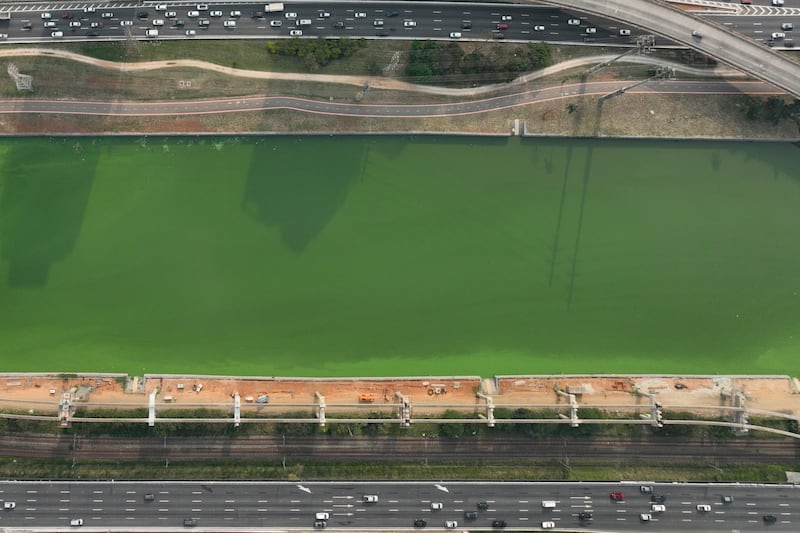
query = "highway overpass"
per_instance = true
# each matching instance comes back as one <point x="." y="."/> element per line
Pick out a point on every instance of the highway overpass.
<point x="717" y="42"/>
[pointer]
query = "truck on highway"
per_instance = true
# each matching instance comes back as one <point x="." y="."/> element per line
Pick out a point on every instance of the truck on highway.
<point x="274" y="8"/>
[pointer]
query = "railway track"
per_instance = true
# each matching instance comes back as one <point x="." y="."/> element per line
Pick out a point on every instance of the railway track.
<point x="488" y="450"/>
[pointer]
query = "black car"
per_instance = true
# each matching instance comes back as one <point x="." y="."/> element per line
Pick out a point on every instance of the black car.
<point x="142" y="14"/>
<point x="585" y="516"/>
<point x="658" y="498"/>
<point x="392" y="14"/>
<point x="178" y="24"/>
<point x="471" y="515"/>
<point x="769" y="519"/>
<point x="419" y="522"/>
<point x="483" y="506"/>
<point x="339" y="24"/>
<point x="466" y="25"/>
<point x="258" y="14"/>
<point x="149" y="497"/>
<point x="189" y="522"/>
<point x="498" y="523"/>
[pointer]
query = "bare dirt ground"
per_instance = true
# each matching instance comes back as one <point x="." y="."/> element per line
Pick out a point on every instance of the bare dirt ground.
<point x="426" y="395"/>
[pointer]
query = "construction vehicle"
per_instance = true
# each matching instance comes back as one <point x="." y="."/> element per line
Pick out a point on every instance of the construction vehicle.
<point x="366" y="397"/>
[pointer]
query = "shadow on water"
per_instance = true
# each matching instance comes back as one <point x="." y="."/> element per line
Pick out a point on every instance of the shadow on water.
<point x="45" y="188"/>
<point x="297" y="184"/>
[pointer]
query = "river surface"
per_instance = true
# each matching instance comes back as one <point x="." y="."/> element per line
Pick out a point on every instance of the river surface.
<point x="338" y="256"/>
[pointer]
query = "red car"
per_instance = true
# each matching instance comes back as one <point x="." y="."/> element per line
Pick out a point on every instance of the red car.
<point x="66" y="15"/>
<point x="618" y="496"/>
<point x="502" y="26"/>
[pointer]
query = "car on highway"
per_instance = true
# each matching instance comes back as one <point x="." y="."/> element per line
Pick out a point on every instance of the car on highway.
<point x="320" y="524"/>
<point x="74" y="23"/>
<point x="46" y="15"/>
<point x="275" y="23"/>
<point x="193" y="14"/>
<point x="215" y="13"/>
<point x="124" y="23"/>
<point x="455" y="35"/>
<point x="191" y="33"/>
<point x="436" y="506"/>
<point x="618" y="496"/>
<point x="585" y="516"/>
<point x="324" y="15"/>
<point x="339" y="25"/>
<point x="230" y="24"/>
<point x="409" y="23"/>
<point x="370" y="498"/>
<point x="777" y="2"/>
<point x="89" y="9"/>
<point x="151" y="33"/>
<point x="483" y="506"/>
<point x="161" y="7"/>
<point x="49" y="24"/>
<point x="322" y="516"/>
<point x="467" y="24"/>
<point x="498" y="523"/>
<point x="290" y="15"/>
<point x="471" y="515"/>
<point x="450" y="524"/>
<point x="158" y="22"/>
<point x="361" y="14"/>
<point x="9" y="505"/>
<point x="645" y="517"/>
<point x="574" y="22"/>
<point x="171" y="14"/>
<point x="703" y="508"/>
<point x="143" y="14"/>
<point x="538" y="28"/>
<point x="548" y="525"/>
<point x="499" y="36"/>
<point x="591" y="30"/>
<point x="787" y="26"/>
<point x="106" y="15"/>
<point x="27" y="26"/>
<point x="625" y="33"/>
<point x="658" y="498"/>
<point x="393" y="14"/>
<point x="769" y="518"/>
<point x="378" y="23"/>
<point x="189" y="522"/>
<point x="77" y="522"/>
<point x="178" y="24"/>
<point x="236" y="14"/>
<point x="646" y="489"/>
<point x="66" y="16"/>
<point x="419" y="522"/>
<point x="502" y="26"/>
<point x="258" y="15"/>
<point x="202" y="7"/>
<point x="778" y="35"/>
<point x="505" y="17"/>
<point x="658" y="508"/>
<point x="203" y="22"/>
<point x="727" y="499"/>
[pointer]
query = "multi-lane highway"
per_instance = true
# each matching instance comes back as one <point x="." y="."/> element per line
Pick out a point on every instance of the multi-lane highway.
<point x="401" y="20"/>
<point x="125" y="506"/>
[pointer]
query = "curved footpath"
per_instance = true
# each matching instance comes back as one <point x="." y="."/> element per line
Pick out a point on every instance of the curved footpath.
<point x="243" y="104"/>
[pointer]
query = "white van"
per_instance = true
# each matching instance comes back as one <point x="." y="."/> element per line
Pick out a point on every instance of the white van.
<point x="548" y="504"/>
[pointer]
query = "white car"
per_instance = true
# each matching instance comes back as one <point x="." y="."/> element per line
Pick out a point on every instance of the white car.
<point x="591" y="30"/>
<point x="370" y="498"/>
<point x="777" y="2"/>
<point x="236" y="14"/>
<point x="158" y="22"/>
<point x="74" y="24"/>
<point x="505" y="18"/>
<point x="9" y="505"/>
<point x="455" y="35"/>
<point x="361" y="14"/>
<point x="538" y="28"/>
<point x="193" y="14"/>
<point x="171" y="14"/>
<point x="276" y="23"/>
<point x="324" y="15"/>
<point x="89" y="9"/>
<point x="322" y="516"/>
<point x="203" y="22"/>
<point x="95" y="24"/>
<point x="410" y="23"/>
<point x="291" y="15"/>
<point x="161" y="7"/>
<point x="704" y="508"/>
<point x="46" y="15"/>
<point x="574" y="22"/>
<point x="76" y="522"/>
<point x="106" y="15"/>
<point x="296" y="33"/>
<point x="202" y="7"/>
<point x="778" y="35"/>
<point x="646" y="489"/>
<point x="658" y="508"/>
<point x="645" y="517"/>
<point x="436" y="506"/>
<point x="787" y="26"/>
<point x="451" y="524"/>
<point x="625" y="33"/>
<point x="50" y="24"/>
<point x="151" y="33"/>
<point x="126" y="23"/>
<point x="229" y="24"/>
<point x="548" y="525"/>
<point x="216" y="13"/>
<point x="378" y="23"/>
<point x="191" y="33"/>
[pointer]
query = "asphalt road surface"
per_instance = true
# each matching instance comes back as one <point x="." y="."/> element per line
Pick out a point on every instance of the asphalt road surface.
<point x="123" y="506"/>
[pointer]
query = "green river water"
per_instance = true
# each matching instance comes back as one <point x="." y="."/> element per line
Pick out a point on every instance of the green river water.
<point x="369" y="256"/>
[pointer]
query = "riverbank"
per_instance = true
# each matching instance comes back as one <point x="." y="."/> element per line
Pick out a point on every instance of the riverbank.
<point x="573" y="110"/>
